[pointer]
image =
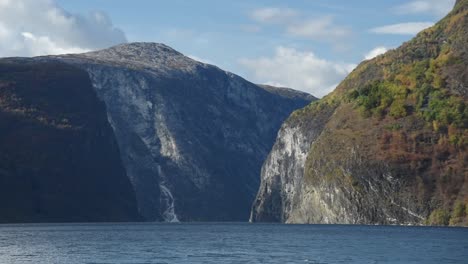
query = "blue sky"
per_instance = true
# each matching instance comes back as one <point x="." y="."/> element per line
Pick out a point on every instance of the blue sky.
<point x="306" y="44"/>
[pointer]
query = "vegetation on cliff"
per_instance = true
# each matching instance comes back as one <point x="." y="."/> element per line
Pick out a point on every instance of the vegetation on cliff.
<point x="405" y="114"/>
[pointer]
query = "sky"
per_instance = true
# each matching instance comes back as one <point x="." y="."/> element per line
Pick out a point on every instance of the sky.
<point x="309" y="45"/>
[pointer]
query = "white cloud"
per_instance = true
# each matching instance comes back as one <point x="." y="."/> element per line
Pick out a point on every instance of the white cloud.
<point x="410" y="28"/>
<point x="375" y="52"/>
<point x="320" y="28"/>
<point x="295" y="24"/>
<point x="41" y="27"/>
<point x="298" y="70"/>
<point x="43" y="45"/>
<point x="438" y="8"/>
<point x="193" y="57"/>
<point x="273" y="15"/>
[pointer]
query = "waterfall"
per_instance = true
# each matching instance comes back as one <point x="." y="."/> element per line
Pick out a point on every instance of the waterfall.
<point x="167" y="200"/>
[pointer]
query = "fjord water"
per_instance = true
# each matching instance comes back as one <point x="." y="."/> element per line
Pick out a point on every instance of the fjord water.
<point x="230" y="243"/>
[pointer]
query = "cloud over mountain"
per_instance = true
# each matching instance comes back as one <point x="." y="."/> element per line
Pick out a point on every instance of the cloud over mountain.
<point x="322" y="28"/>
<point x="299" y="70"/>
<point x="410" y="28"/>
<point x="435" y="7"/>
<point x="40" y="27"/>
<point x="293" y="23"/>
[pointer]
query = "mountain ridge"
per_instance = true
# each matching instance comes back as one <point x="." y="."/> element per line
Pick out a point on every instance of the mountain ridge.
<point x="187" y="138"/>
<point x="191" y="134"/>
<point x="388" y="146"/>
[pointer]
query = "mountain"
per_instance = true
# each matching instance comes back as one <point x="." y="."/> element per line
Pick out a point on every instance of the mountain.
<point x="134" y="130"/>
<point x="59" y="160"/>
<point x="388" y="146"/>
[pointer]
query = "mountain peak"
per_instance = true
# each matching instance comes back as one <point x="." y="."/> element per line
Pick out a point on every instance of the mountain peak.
<point x="140" y="49"/>
<point x="142" y="55"/>
<point x="136" y="51"/>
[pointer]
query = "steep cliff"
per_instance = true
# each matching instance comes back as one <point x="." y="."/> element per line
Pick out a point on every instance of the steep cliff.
<point x="59" y="160"/>
<point x="192" y="136"/>
<point x="388" y="146"/>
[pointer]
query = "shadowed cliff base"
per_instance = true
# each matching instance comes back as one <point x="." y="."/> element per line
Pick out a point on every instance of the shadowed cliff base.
<point x="59" y="160"/>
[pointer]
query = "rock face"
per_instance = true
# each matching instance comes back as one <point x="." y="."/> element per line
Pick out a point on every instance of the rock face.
<point x="59" y="160"/>
<point x="283" y="171"/>
<point x="388" y="146"/>
<point x="192" y="137"/>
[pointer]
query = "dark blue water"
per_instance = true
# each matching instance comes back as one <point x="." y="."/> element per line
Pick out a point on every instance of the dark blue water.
<point x="230" y="243"/>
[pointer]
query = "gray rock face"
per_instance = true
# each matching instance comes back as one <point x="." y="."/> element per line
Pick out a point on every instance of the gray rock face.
<point x="312" y="175"/>
<point x="192" y="136"/>
<point x="283" y="170"/>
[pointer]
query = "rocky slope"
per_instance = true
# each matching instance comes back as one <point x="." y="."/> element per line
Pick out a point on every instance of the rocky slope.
<point x="192" y="137"/>
<point x="59" y="160"/>
<point x="388" y="146"/>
